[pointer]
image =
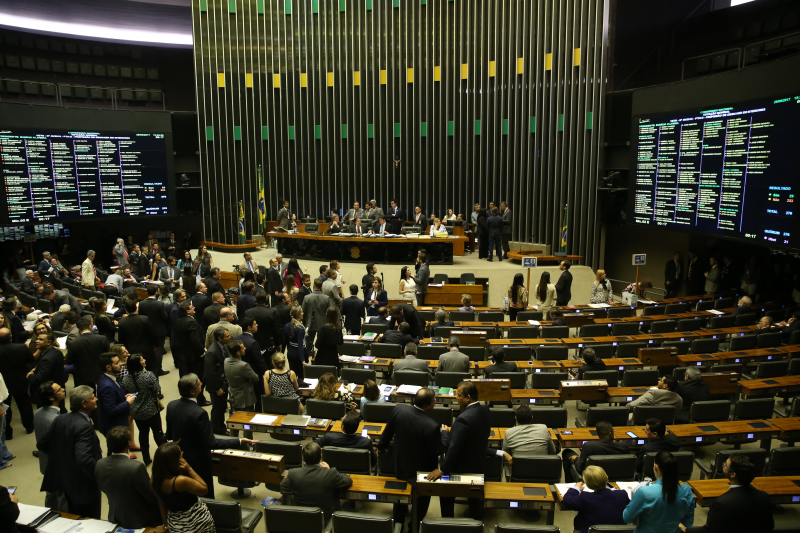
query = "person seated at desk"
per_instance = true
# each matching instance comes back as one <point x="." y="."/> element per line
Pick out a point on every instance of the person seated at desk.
<point x="442" y="319"/>
<point x="526" y="439"/>
<point x="382" y="318"/>
<point x="601" y="505"/>
<point x="453" y="360"/>
<point x="410" y="361"/>
<point x="742" y="507"/>
<point x="356" y="228"/>
<point x="764" y="325"/>
<point x="499" y="363"/>
<point x="604" y="445"/>
<point x="28" y="283"/>
<point x="280" y="381"/>
<point x="557" y="317"/>
<point x="348" y="437"/>
<point x="664" y="394"/>
<point x="400" y="336"/>
<point x="657" y="441"/>
<point x="437" y="227"/>
<point x="692" y="389"/>
<point x="330" y="390"/>
<point x="316" y="484"/>
<point x="335" y="226"/>
<point x="591" y="363"/>
<point x="665" y="504"/>
<point x="381" y="227"/>
<point x="787" y="328"/>
<point x="743" y="307"/>
<point x="370" y="394"/>
<point x="466" y="304"/>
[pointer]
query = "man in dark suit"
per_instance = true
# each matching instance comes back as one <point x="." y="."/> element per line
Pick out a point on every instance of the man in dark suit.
<point x="214" y="372"/>
<point x="212" y="281"/>
<point x="467" y="445"/>
<point x="269" y="334"/>
<point x="742" y="507"/>
<point x="50" y="366"/>
<point x="494" y="225"/>
<point x="657" y="441"/>
<point x="136" y="331"/>
<point x="353" y="310"/>
<point x="132" y="504"/>
<point x="10" y="307"/>
<point x="112" y="401"/>
<point x="261" y="281"/>
<point x="284" y="310"/>
<point x="395" y="216"/>
<point x="27" y="285"/>
<point x="246" y="301"/>
<point x="591" y="363"/>
<point x="691" y="389"/>
<point x="189" y="423"/>
<point x="191" y="341"/>
<point x="673" y="274"/>
<point x="45" y="268"/>
<point x="605" y="445"/>
<point x="399" y="336"/>
<point x="505" y="214"/>
<point x="15" y="363"/>
<point x="84" y="353"/>
<point x="211" y="313"/>
<point x="274" y="282"/>
<point x="348" y="437"/>
<point x="73" y="451"/>
<point x="366" y="280"/>
<point x="201" y="301"/>
<point x="695" y="280"/>
<point x="441" y="319"/>
<point x="407" y="313"/>
<point x="743" y="307"/>
<point x="64" y="297"/>
<point x="304" y="290"/>
<point x="316" y="484"/>
<point x="156" y="312"/>
<point x="420" y="219"/>
<point x="253" y="356"/>
<point x="564" y="284"/>
<point x="422" y="277"/>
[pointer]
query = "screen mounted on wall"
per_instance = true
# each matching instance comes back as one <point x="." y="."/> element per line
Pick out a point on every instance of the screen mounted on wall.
<point x="732" y="171"/>
<point x="61" y="175"/>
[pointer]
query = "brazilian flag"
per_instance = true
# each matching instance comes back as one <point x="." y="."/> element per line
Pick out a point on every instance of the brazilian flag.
<point x="564" y="232"/>
<point x="241" y="223"/>
<point x="262" y="208"/>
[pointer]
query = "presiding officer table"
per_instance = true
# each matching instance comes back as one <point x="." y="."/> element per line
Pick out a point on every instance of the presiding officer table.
<point x="400" y="249"/>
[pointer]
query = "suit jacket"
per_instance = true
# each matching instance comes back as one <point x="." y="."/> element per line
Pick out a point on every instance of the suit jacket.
<point x="72" y="333"/>
<point x="713" y="280"/>
<point x="244" y="267"/>
<point x="395" y="218"/>
<point x="49" y="367"/>
<point x="742" y="508"/>
<point x="353" y="214"/>
<point x="137" y="334"/>
<point x="274" y="282"/>
<point x="376" y="228"/>
<point x="27" y="286"/>
<point x="659" y="397"/>
<point x="302" y="292"/>
<point x="314" y="307"/>
<point x="213" y="286"/>
<point x="695" y="390"/>
<point x="16" y="361"/>
<point x="63" y="297"/>
<point x="211" y="314"/>
<point x="410" y="315"/>
<point x="671" y="270"/>
<point x="316" y="486"/>
<point x="114" y="410"/>
<point x="284" y="215"/>
<point x="421" y="279"/>
<point x="163" y="275"/>
<point x="343" y="440"/>
<point x="374" y="213"/>
<point x="563" y="288"/>
<point x="598" y="366"/>
<point x="214" y="366"/>
<point x="410" y="362"/>
<point x="132" y="504"/>
<point x="742" y="310"/>
<point x="669" y="443"/>
<point x="18" y="332"/>
<point x="420" y="220"/>
<point x="392" y="336"/>
<point x="453" y="361"/>
<point x="330" y="290"/>
<point x="506" y="216"/>
<point x="417" y="441"/>
<point x="57" y="321"/>
<point x="43" y="269"/>
<point x="599" y="447"/>
<point x="284" y="314"/>
<point x="189" y="422"/>
<point x="382" y="298"/>
<point x="200" y="302"/>
<point x="353" y="309"/>
<point x="604" y="507"/>
<point x="253" y="356"/>
<point x="269" y="333"/>
<point x="42" y="420"/>
<point x="468" y="441"/>
<point x="84" y="354"/>
<point x="241" y="378"/>
<point x="191" y="338"/>
<point x="245" y="303"/>
<point x="73" y="449"/>
<point x="495" y="225"/>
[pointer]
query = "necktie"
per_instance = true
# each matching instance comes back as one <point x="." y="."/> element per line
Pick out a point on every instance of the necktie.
<point x="170" y="274"/>
<point x="126" y="253"/>
<point x="249" y="266"/>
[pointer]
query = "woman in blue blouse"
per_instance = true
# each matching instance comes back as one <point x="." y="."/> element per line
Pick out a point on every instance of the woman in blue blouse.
<point x="377" y="298"/>
<point x="660" y="507"/>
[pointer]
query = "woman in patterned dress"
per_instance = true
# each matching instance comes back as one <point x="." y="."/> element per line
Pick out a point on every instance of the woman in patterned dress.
<point x="177" y="487"/>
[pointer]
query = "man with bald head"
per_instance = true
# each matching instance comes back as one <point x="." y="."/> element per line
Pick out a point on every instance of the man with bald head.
<point x="211" y="312"/>
<point x="201" y="301"/>
<point x="226" y="318"/>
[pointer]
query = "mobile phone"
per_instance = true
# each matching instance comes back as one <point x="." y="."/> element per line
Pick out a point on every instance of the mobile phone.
<point x="12" y="489"/>
<point x="631" y="434"/>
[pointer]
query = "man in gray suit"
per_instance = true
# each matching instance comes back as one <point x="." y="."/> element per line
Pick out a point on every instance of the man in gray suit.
<point x="505" y="213"/>
<point x="121" y="253"/>
<point x="421" y="279"/>
<point x="59" y="298"/>
<point x="410" y="362"/>
<point x="331" y="290"/>
<point x="132" y="504"/>
<point x="375" y="212"/>
<point x="51" y="394"/>
<point x="454" y="360"/>
<point x="169" y="274"/>
<point x="316" y="484"/>
<point x="664" y="394"/>
<point x="354" y="213"/>
<point x="284" y="215"/>
<point x="315" y="305"/>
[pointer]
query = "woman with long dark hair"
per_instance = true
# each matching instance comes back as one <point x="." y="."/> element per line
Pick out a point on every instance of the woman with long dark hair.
<point x="328" y="340"/>
<point x="295" y="334"/>
<point x="105" y="326"/>
<point x="377" y="297"/>
<point x="177" y="487"/>
<point x="145" y="410"/>
<point x="189" y="281"/>
<point x="665" y="504"/>
<point x="544" y="296"/>
<point x="517" y="297"/>
<point x="206" y="262"/>
<point x="293" y="270"/>
<point x="186" y="260"/>
<point x="408" y="287"/>
<point x="158" y="264"/>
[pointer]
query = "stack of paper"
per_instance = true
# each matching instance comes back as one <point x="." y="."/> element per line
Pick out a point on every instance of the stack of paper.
<point x="351" y="337"/>
<point x="408" y="389"/>
<point x="30" y="513"/>
<point x="345" y="388"/>
<point x="61" y="342"/>
<point x="64" y="525"/>
<point x="599" y="306"/>
<point x="534" y="322"/>
<point x="265" y="420"/>
<point x="312" y="384"/>
<point x="562" y="488"/>
<point x="716" y="312"/>
<point x="628" y="486"/>
<point x="349" y="358"/>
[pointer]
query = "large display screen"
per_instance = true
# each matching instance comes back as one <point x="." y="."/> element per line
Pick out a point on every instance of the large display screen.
<point x="732" y="171"/>
<point x="51" y="175"/>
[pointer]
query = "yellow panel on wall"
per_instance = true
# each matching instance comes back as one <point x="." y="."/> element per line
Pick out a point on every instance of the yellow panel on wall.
<point x="383" y="77"/>
<point x="464" y="71"/>
<point x="276" y="81"/>
<point x="491" y="69"/>
<point x="520" y="65"/>
<point x="303" y="79"/>
<point x="437" y="73"/>
<point x="221" y="80"/>
<point x="356" y="78"/>
<point x="330" y="79"/>
<point x="576" y="58"/>
<point x="248" y="80"/>
<point x="410" y="75"/>
<point x="548" y="61"/>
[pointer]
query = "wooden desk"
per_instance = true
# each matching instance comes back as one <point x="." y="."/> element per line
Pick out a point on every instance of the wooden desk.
<point x="596" y="391"/>
<point x="674" y="336"/>
<point x="611" y="363"/>
<point x="512" y="496"/>
<point x="373" y="488"/>
<point x="518" y="255"/>
<point x="770" y="386"/>
<point x="722" y="382"/>
<point x="700" y="359"/>
<point x="450" y="294"/>
<point x="380" y="364"/>
<point x="248" y="466"/>
<point x="730" y="432"/>
<point x="579" y="342"/>
<point x="478" y="309"/>
<point x="535" y="367"/>
<point x="493" y="390"/>
<point x="518" y="323"/>
<point x="467" y="338"/>
<point x="241" y="421"/>
<point x="496" y="437"/>
<point x="781" y="489"/>
<point x="667" y="356"/>
<point x="580" y="436"/>
<point x="620" y="395"/>
<point x="374" y="434"/>
<point x="750" y="356"/>
<point x="790" y="428"/>
<point x="535" y="396"/>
